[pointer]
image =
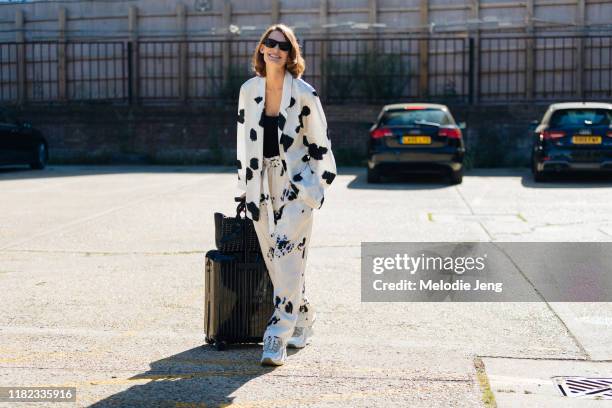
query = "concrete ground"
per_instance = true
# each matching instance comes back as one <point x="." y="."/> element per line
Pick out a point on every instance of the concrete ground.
<point x="101" y="275"/>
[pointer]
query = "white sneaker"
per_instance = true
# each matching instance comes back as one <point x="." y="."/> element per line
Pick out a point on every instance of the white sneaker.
<point x="300" y="337"/>
<point x="274" y="351"/>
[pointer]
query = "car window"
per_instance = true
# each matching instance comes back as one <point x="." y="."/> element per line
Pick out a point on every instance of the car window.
<point x="581" y="117"/>
<point x="409" y="117"/>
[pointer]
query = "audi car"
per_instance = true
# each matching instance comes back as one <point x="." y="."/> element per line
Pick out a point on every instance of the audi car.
<point x="415" y="138"/>
<point x="21" y="144"/>
<point x="573" y="137"/>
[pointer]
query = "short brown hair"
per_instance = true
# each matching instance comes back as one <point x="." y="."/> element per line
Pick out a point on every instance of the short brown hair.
<point x="295" y="63"/>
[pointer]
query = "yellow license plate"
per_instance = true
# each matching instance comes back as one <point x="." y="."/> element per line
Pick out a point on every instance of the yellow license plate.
<point x="416" y="139"/>
<point x="586" y="139"/>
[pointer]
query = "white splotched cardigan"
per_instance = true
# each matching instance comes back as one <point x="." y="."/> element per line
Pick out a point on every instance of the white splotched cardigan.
<point x="304" y="143"/>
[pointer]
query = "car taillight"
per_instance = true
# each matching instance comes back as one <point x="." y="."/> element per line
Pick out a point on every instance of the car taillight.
<point x="553" y="134"/>
<point x="609" y="133"/>
<point x="379" y="133"/>
<point x="450" y="132"/>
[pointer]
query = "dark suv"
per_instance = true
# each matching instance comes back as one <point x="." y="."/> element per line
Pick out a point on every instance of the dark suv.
<point x="573" y="136"/>
<point x="415" y="138"/>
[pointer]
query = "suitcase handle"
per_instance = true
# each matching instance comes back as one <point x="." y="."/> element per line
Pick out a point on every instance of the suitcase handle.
<point x="241" y="207"/>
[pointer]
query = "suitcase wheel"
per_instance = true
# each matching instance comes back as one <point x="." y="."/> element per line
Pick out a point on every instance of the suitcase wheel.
<point x="209" y="340"/>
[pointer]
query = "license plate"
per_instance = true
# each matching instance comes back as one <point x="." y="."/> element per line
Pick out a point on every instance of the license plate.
<point x="416" y="139"/>
<point x="577" y="139"/>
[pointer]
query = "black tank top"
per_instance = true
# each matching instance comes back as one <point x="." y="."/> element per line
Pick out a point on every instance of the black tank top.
<point x="270" y="147"/>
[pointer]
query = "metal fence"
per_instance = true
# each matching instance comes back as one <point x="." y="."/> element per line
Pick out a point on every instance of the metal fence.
<point x="52" y="71"/>
<point x="457" y="69"/>
<point x="543" y="68"/>
<point x="388" y="69"/>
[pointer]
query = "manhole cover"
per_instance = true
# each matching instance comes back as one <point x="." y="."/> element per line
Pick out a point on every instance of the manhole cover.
<point x="600" y="388"/>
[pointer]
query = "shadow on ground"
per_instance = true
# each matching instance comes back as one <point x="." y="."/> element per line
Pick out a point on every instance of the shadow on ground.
<point x="433" y="181"/>
<point x="199" y="377"/>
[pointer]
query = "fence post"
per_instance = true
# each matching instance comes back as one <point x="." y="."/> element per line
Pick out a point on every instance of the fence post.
<point x="580" y="54"/>
<point x="372" y="16"/>
<point x="21" y="57"/>
<point x="62" y="82"/>
<point x="182" y="62"/>
<point x="130" y="72"/>
<point x="226" y="57"/>
<point x="473" y="44"/>
<point x="530" y="53"/>
<point x="424" y="51"/>
<point x="580" y="67"/>
<point x="323" y="11"/>
<point x="133" y="57"/>
<point x="275" y="12"/>
<point x="471" y="73"/>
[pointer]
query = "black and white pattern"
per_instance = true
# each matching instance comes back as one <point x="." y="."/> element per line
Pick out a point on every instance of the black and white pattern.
<point x="284" y="243"/>
<point x="282" y="192"/>
<point x="303" y="138"/>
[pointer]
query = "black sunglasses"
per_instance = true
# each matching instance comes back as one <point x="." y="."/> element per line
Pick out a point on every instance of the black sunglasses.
<point x="283" y="45"/>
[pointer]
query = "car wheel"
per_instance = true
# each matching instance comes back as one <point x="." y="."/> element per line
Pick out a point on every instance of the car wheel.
<point x="456" y="177"/>
<point x="373" y="176"/>
<point x="40" y="160"/>
<point x="538" y="176"/>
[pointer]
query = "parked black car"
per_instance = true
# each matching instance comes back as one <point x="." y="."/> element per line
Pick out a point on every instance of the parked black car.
<point x="573" y="136"/>
<point x="415" y="138"/>
<point x="20" y="143"/>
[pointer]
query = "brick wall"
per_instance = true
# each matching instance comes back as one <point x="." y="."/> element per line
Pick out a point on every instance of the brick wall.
<point x="496" y="135"/>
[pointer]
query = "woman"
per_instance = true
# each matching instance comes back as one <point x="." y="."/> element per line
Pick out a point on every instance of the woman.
<point x="285" y="163"/>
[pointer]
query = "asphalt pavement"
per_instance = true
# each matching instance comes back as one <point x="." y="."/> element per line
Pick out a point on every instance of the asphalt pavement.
<point x="101" y="275"/>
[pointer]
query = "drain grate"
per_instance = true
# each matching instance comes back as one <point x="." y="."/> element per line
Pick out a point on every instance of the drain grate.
<point x="576" y="387"/>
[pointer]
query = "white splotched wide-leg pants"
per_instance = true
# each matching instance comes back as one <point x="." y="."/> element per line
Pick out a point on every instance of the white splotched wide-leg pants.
<point x="284" y="229"/>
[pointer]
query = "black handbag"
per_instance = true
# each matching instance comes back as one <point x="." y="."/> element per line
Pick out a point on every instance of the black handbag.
<point x="230" y="231"/>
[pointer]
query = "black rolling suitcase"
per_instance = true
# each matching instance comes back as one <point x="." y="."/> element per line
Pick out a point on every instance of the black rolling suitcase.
<point x="238" y="291"/>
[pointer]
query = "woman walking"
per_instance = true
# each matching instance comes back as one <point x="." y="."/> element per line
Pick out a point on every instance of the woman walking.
<point x="285" y="163"/>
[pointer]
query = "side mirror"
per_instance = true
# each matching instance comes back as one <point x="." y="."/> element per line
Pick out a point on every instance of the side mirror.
<point x="462" y="125"/>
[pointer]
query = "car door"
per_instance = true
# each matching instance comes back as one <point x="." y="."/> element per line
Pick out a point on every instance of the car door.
<point x="8" y="147"/>
<point x="17" y="141"/>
